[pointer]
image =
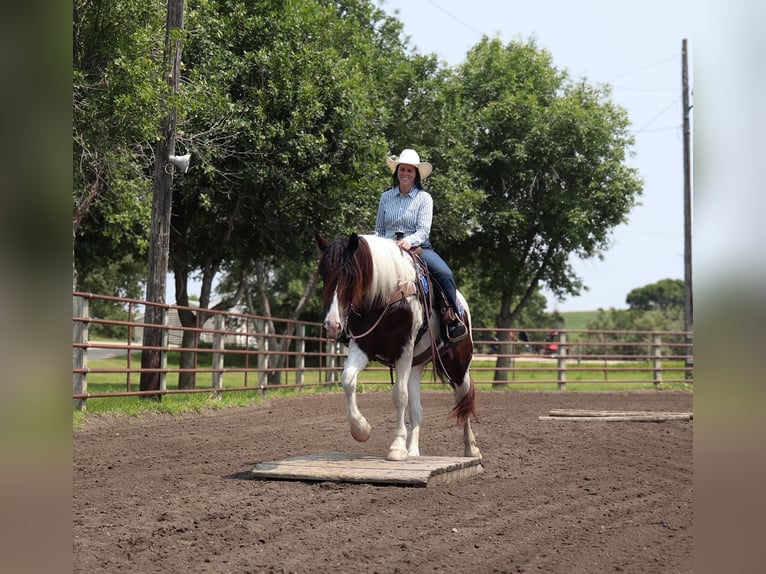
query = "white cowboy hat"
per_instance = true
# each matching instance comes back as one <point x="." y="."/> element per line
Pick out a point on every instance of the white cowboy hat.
<point x="410" y="157"/>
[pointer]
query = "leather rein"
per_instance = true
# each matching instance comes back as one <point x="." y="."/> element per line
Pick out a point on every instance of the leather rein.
<point x="405" y="290"/>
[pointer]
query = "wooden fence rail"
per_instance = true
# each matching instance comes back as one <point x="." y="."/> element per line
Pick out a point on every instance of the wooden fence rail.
<point x="236" y="351"/>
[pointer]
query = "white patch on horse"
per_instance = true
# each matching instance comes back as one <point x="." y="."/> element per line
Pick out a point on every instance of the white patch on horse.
<point x="334" y="322"/>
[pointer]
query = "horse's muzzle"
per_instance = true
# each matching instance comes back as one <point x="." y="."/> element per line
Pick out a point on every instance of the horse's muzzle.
<point x="334" y="329"/>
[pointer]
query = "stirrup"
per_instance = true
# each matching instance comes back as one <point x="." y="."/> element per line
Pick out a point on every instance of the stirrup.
<point x="461" y="331"/>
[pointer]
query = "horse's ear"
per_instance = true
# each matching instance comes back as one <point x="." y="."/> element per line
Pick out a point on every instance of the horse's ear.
<point x="353" y="242"/>
<point x="322" y="243"/>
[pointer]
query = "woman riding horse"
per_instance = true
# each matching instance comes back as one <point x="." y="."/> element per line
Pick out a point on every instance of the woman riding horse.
<point x="405" y="213"/>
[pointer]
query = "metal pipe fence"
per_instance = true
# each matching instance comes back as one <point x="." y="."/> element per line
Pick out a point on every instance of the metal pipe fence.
<point x="233" y="351"/>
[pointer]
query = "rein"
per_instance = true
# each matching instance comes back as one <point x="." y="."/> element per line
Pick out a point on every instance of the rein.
<point x="399" y="295"/>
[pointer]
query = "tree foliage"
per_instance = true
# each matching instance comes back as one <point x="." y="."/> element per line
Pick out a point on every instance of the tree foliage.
<point x="299" y="86"/>
<point x="116" y="91"/>
<point x="663" y="295"/>
<point x="654" y="307"/>
<point x="289" y="108"/>
<point x="548" y="155"/>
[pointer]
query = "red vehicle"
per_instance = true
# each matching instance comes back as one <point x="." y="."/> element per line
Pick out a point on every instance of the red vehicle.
<point x="553" y="343"/>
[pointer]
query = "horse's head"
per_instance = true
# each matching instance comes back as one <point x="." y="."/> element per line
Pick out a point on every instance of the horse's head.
<point x="345" y="266"/>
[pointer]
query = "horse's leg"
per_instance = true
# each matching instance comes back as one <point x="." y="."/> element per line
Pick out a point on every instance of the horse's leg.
<point x="467" y="392"/>
<point x="415" y="410"/>
<point x="469" y="442"/>
<point x="398" y="448"/>
<point x="355" y="363"/>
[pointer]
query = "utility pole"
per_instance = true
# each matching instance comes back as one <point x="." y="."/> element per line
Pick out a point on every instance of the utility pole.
<point x="688" y="301"/>
<point x="159" y="243"/>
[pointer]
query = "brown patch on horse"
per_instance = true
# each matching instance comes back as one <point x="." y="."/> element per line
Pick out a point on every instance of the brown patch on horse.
<point x="455" y="360"/>
<point x="386" y="342"/>
<point x="356" y="275"/>
<point x="345" y="265"/>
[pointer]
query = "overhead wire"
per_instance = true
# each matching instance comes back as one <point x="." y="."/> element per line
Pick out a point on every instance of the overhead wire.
<point x="456" y="19"/>
<point x="642" y="129"/>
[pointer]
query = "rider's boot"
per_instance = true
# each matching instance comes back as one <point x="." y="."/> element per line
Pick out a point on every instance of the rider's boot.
<point x="456" y="330"/>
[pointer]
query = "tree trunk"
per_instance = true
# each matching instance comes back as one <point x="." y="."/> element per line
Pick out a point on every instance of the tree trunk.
<point x="74" y="265"/>
<point x="278" y="360"/>
<point x="189" y="339"/>
<point x="504" y="321"/>
<point x="188" y="361"/>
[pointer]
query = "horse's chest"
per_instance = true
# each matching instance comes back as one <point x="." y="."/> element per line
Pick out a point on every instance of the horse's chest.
<point x="386" y="339"/>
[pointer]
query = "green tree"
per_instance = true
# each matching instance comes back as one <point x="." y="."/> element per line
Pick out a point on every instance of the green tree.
<point x="654" y="307"/>
<point x="426" y="114"/>
<point x="549" y="156"/>
<point x="663" y="295"/>
<point x="115" y="91"/>
<point x="300" y="87"/>
<point x="637" y="325"/>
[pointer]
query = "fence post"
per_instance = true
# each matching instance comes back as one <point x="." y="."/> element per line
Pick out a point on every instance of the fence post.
<point x="164" y="342"/>
<point x="131" y="334"/>
<point x="80" y="308"/>
<point x="217" y="360"/>
<point x="331" y="375"/>
<point x="689" y="360"/>
<point x="562" y="362"/>
<point x="263" y="358"/>
<point x="657" y="360"/>
<point x="300" y="357"/>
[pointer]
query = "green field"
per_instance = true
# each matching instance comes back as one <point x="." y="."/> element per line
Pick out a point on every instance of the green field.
<point x="578" y="320"/>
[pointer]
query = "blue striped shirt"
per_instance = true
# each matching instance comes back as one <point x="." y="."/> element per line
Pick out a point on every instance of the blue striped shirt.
<point x="411" y="214"/>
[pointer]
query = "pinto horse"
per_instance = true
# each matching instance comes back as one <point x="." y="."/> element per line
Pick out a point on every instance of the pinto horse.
<point x="374" y="300"/>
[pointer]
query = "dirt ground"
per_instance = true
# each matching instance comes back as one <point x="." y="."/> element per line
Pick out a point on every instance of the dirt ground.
<point x="173" y="493"/>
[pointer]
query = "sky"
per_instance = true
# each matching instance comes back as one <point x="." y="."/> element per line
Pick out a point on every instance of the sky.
<point x="635" y="47"/>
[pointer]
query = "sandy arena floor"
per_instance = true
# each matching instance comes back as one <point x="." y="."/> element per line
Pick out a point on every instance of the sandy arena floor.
<point x="173" y="493"/>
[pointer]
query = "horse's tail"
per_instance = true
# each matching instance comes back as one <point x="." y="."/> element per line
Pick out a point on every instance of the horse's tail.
<point x="453" y="367"/>
<point x="466" y="407"/>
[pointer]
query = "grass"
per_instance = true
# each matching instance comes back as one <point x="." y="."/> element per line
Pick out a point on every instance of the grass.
<point x="578" y="320"/>
<point x="531" y="375"/>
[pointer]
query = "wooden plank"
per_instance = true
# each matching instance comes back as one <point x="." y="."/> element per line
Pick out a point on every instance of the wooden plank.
<point x="621" y="418"/>
<point x="331" y="466"/>
<point x="599" y="413"/>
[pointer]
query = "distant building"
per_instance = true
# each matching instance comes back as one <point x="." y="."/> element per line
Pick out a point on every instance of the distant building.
<point x="239" y="328"/>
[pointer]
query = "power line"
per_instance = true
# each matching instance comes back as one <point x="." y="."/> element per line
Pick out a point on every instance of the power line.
<point x="456" y="19"/>
<point x="665" y="129"/>
<point x="642" y="68"/>
<point x="633" y="89"/>
<point x="662" y="111"/>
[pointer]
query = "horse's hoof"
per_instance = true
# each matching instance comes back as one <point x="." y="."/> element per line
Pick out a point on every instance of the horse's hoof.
<point x="362" y="433"/>
<point x="396" y="455"/>
<point x="472" y="453"/>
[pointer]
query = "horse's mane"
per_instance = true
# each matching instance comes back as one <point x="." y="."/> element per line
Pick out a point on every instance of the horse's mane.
<point x="365" y="269"/>
<point x="391" y="266"/>
<point x="357" y="275"/>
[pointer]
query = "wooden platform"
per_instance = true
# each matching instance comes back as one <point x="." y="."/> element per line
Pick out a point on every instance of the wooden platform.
<point x="614" y="416"/>
<point x="421" y="471"/>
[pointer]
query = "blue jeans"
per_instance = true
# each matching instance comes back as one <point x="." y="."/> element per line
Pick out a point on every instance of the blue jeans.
<point x="442" y="274"/>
